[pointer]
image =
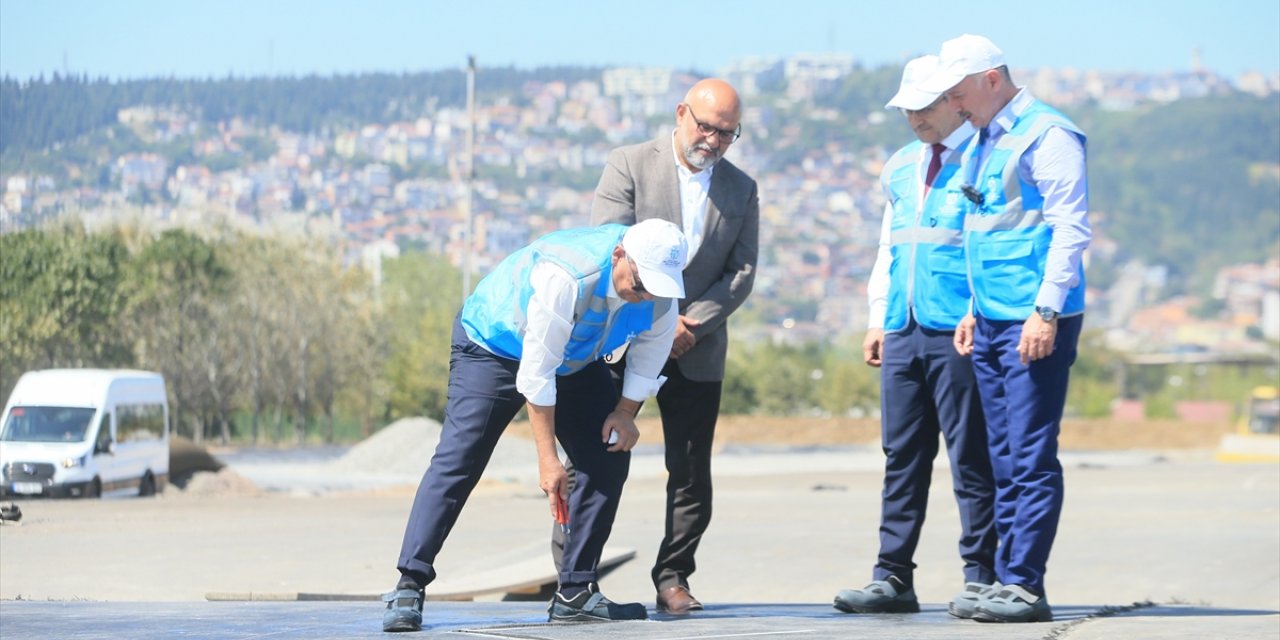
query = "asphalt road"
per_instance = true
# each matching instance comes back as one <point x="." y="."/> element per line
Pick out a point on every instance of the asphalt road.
<point x="1196" y="542"/>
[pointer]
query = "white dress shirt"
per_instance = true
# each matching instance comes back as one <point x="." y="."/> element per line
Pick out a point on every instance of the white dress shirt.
<point x="550" y="322"/>
<point x="878" y="281"/>
<point x="1056" y="165"/>
<point x="693" y="199"/>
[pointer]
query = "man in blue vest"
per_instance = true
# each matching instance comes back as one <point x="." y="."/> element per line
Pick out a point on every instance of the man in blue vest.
<point x="919" y="294"/>
<point x="534" y="332"/>
<point x="1026" y="230"/>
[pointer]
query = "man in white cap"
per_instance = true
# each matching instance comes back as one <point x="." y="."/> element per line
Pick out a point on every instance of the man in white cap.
<point x="534" y="332"/>
<point x="919" y="293"/>
<point x="1026" y="230"/>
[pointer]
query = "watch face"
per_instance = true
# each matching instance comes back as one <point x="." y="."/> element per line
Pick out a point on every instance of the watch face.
<point x="1047" y="314"/>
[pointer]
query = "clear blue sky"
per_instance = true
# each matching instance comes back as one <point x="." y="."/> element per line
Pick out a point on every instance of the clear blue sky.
<point x="202" y="38"/>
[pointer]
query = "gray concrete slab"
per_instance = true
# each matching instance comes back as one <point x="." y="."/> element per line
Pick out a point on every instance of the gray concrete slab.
<point x="527" y="621"/>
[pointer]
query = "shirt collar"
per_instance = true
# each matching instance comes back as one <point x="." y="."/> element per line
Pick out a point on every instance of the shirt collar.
<point x="957" y="137"/>
<point x="1003" y="122"/>
<point x="612" y="294"/>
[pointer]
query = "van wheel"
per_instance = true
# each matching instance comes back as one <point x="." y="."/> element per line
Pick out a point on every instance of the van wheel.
<point x="94" y="490"/>
<point x="148" y="485"/>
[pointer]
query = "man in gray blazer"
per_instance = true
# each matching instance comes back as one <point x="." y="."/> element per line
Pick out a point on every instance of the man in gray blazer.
<point x="683" y="177"/>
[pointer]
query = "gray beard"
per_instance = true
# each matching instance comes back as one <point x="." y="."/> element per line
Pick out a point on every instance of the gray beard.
<point x="697" y="160"/>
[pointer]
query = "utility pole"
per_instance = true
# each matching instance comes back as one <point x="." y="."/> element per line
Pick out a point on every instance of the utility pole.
<point x="468" y="247"/>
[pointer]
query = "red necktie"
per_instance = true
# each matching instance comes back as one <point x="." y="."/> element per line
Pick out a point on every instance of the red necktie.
<point x="935" y="165"/>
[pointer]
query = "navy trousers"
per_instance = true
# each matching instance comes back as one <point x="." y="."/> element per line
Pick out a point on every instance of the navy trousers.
<point x="927" y="388"/>
<point x="1023" y="406"/>
<point x="482" y="402"/>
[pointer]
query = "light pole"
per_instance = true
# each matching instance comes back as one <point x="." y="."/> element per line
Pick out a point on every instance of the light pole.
<point x="471" y="173"/>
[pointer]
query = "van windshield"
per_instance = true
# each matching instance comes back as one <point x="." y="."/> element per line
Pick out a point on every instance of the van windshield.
<point x="47" y="424"/>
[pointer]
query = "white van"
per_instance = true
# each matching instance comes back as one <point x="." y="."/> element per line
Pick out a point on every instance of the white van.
<point x="85" y="432"/>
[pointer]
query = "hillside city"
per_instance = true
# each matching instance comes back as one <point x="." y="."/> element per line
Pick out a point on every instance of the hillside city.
<point x="820" y="216"/>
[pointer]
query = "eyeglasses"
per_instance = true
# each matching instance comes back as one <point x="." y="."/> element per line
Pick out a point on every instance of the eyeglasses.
<point x="636" y="285"/>
<point x="727" y="135"/>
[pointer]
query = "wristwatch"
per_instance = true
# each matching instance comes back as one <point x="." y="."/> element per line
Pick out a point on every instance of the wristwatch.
<point x="1047" y="314"/>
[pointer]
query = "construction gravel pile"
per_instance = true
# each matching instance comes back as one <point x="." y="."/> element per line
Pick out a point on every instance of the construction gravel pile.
<point x="404" y="448"/>
<point x="223" y="482"/>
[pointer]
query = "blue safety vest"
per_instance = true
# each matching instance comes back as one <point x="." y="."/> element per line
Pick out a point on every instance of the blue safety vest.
<point x="496" y="314"/>
<point x="927" y="276"/>
<point x="1007" y="237"/>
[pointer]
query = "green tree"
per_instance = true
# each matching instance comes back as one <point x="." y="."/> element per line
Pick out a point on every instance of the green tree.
<point x="175" y="284"/>
<point x="60" y="301"/>
<point x="260" y="333"/>
<point x="848" y="386"/>
<point x="1094" y="386"/>
<point x="421" y="295"/>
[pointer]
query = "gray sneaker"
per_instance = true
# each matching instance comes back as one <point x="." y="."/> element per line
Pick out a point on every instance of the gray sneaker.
<point x="881" y="596"/>
<point x="404" y="610"/>
<point x="966" y="602"/>
<point x="1014" y="604"/>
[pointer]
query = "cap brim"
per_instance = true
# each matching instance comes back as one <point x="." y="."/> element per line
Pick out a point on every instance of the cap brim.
<point x="912" y="99"/>
<point x="660" y="284"/>
<point x="942" y="80"/>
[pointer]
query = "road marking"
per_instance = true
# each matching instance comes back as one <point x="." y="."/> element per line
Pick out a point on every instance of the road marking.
<point x="745" y="635"/>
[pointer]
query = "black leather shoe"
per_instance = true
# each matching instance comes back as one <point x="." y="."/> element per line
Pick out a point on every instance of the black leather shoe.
<point x="592" y="606"/>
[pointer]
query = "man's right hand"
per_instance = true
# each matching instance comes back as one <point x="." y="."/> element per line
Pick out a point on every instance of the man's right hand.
<point x="872" y="347"/>
<point x="685" y="340"/>
<point x="554" y="480"/>
<point x="963" y="339"/>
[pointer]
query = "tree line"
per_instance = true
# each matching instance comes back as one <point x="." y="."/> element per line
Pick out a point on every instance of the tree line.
<point x="257" y="338"/>
<point x="274" y="339"/>
<point x="38" y="114"/>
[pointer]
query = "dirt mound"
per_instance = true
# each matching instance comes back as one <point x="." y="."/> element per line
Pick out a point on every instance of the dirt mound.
<point x="405" y="448"/>
<point x="1077" y="434"/>
<point x="225" y="482"/>
<point x="194" y="472"/>
<point x="187" y="458"/>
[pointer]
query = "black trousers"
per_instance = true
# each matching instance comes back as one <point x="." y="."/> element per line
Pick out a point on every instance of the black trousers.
<point x="482" y="402"/>
<point x="689" y="410"/>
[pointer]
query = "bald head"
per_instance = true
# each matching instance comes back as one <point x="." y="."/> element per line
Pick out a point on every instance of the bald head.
<point x="714" y="94"/>
<point x="707" y="123"/>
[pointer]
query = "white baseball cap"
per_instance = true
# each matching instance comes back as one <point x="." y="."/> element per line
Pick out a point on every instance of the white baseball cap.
<point x="960" y="57"/>
<point x="910" y="96"/>
<point x="660" y="252"/>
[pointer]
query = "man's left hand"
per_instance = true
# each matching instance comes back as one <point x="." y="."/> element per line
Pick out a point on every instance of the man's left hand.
<point x="1037" y="338"/>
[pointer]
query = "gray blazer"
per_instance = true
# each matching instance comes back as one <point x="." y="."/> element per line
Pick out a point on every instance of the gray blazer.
<point x="638" y="183"/>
